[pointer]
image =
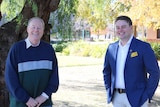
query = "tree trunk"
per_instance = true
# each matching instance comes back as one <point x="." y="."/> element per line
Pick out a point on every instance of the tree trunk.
<point x="135" y="30"/>
<point x="15" y="30"/>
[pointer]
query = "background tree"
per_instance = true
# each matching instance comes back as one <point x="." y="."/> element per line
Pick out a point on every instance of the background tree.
<point x="15" y="30"/>
<point x="75" y="16"/>
<point x="96" y="12"/>
<point x="63" y="19"/>
<point x="144" y="13"/>
<point x="100" y="14"/>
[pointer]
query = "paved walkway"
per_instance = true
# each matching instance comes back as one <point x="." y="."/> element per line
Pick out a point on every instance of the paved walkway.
<point x="83" y="87"/>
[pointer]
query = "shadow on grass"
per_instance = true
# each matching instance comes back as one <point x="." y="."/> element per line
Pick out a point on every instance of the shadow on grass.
<point x="68" y="104"/>
<point x="92" y="86"/>
<point x="95" y="87"/>
<point x="155" y="101"/>
<point x="85" y="88"/>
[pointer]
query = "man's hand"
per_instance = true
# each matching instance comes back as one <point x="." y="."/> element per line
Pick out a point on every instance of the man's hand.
<point x="31" y="102"/>
<point x="40" y="99"/>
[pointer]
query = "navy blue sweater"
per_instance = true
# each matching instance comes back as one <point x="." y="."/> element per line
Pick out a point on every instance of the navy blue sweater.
<point x="31" y="71"/>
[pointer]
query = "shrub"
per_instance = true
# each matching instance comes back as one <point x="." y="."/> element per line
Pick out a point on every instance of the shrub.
<point x="87" y="49"/>
<point x="156" y="48"/>
<point x="98" y="51"/>
<point x="66" y="51"/>
<point x="91" y="49"/>
<point x="60" y="46"/>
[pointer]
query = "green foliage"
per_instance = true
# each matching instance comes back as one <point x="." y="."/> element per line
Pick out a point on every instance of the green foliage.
<point x="87" y="49"/>
<point x="19" y="21"/>
<point x="63" y="18"/>
<point x="100" y="13"/>
<point x="156" y="48"/>
<point x="91" y="49"/>
<point x="97" y="12"/>
<point x="98" y="51"/>
<point x="66" y="51"/>
<point x="34" y="8"/>
<point x="143" y="12"/>
<point x="11" y="8"/>
<point x="60" y="46"/>
<point x="74" y="47"/>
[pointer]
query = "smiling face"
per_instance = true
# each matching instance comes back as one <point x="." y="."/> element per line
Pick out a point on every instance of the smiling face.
<point x="123" y="30"/>
<point x="35" y="30"/>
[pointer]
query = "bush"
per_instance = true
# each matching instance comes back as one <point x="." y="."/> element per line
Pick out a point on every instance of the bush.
<point x="98" y="51"/>
<point x="91" y="49"/>
<point x="60" y="46"/>
<point x="66" y="51"/>
<point x="87" y="49"/>
<point x="156" y="48"/>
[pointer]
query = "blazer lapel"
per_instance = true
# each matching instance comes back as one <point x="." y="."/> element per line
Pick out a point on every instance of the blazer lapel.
<point x="131" y="49"/>
<point x="115" y="56"/>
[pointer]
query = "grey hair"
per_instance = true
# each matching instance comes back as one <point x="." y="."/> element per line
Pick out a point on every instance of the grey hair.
<point x="38" y="18"/>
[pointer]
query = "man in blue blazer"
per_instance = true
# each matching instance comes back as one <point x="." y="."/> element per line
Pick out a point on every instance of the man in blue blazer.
<point x="131" y="72"/>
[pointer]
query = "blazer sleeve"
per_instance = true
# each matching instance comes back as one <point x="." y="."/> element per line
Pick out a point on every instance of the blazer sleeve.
<point x="107" y="71"/>
<point x="152" y="69"/>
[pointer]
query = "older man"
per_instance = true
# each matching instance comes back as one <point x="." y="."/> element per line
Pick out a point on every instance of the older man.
<point x="31" y="72"/>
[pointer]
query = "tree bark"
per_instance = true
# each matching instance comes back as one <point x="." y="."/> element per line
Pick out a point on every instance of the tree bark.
<point x="15" y="30"/>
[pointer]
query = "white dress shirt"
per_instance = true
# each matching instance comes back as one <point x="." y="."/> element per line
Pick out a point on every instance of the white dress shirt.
<point x="120" y="64"/>
<point x="28" y="43"/>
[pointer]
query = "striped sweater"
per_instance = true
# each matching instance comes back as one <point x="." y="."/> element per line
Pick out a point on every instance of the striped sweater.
<point x="31" y="71"/>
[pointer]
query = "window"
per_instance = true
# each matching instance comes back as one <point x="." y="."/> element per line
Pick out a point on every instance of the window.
<point x="158" y="34"/>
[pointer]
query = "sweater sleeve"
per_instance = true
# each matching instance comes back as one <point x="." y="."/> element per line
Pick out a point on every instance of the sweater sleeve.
<point x="53" y="83"/>
<point x="11" y="76"/>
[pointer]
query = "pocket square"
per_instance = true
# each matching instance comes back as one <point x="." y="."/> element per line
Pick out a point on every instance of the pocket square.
<point x="134" y="54"/>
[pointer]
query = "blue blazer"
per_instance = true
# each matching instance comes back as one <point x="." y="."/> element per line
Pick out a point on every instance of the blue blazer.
<point x="140" y="62"/>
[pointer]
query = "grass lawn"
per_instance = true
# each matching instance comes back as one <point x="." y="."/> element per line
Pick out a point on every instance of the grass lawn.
<point x="83" y="86"/>
<point x="66" y="61"/>
<point x="80" y="86"/>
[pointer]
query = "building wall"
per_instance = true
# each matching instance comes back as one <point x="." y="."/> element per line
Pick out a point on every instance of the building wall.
<point x="151" y="34"/>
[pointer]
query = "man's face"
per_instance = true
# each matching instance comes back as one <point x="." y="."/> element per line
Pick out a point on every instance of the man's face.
<point x="123" y="29"/>
<point x="35" y="30"/>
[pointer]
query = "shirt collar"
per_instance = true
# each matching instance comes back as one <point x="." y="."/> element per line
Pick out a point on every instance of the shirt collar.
<point x="28" y="43"/>
<point x="129" y="41"/>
